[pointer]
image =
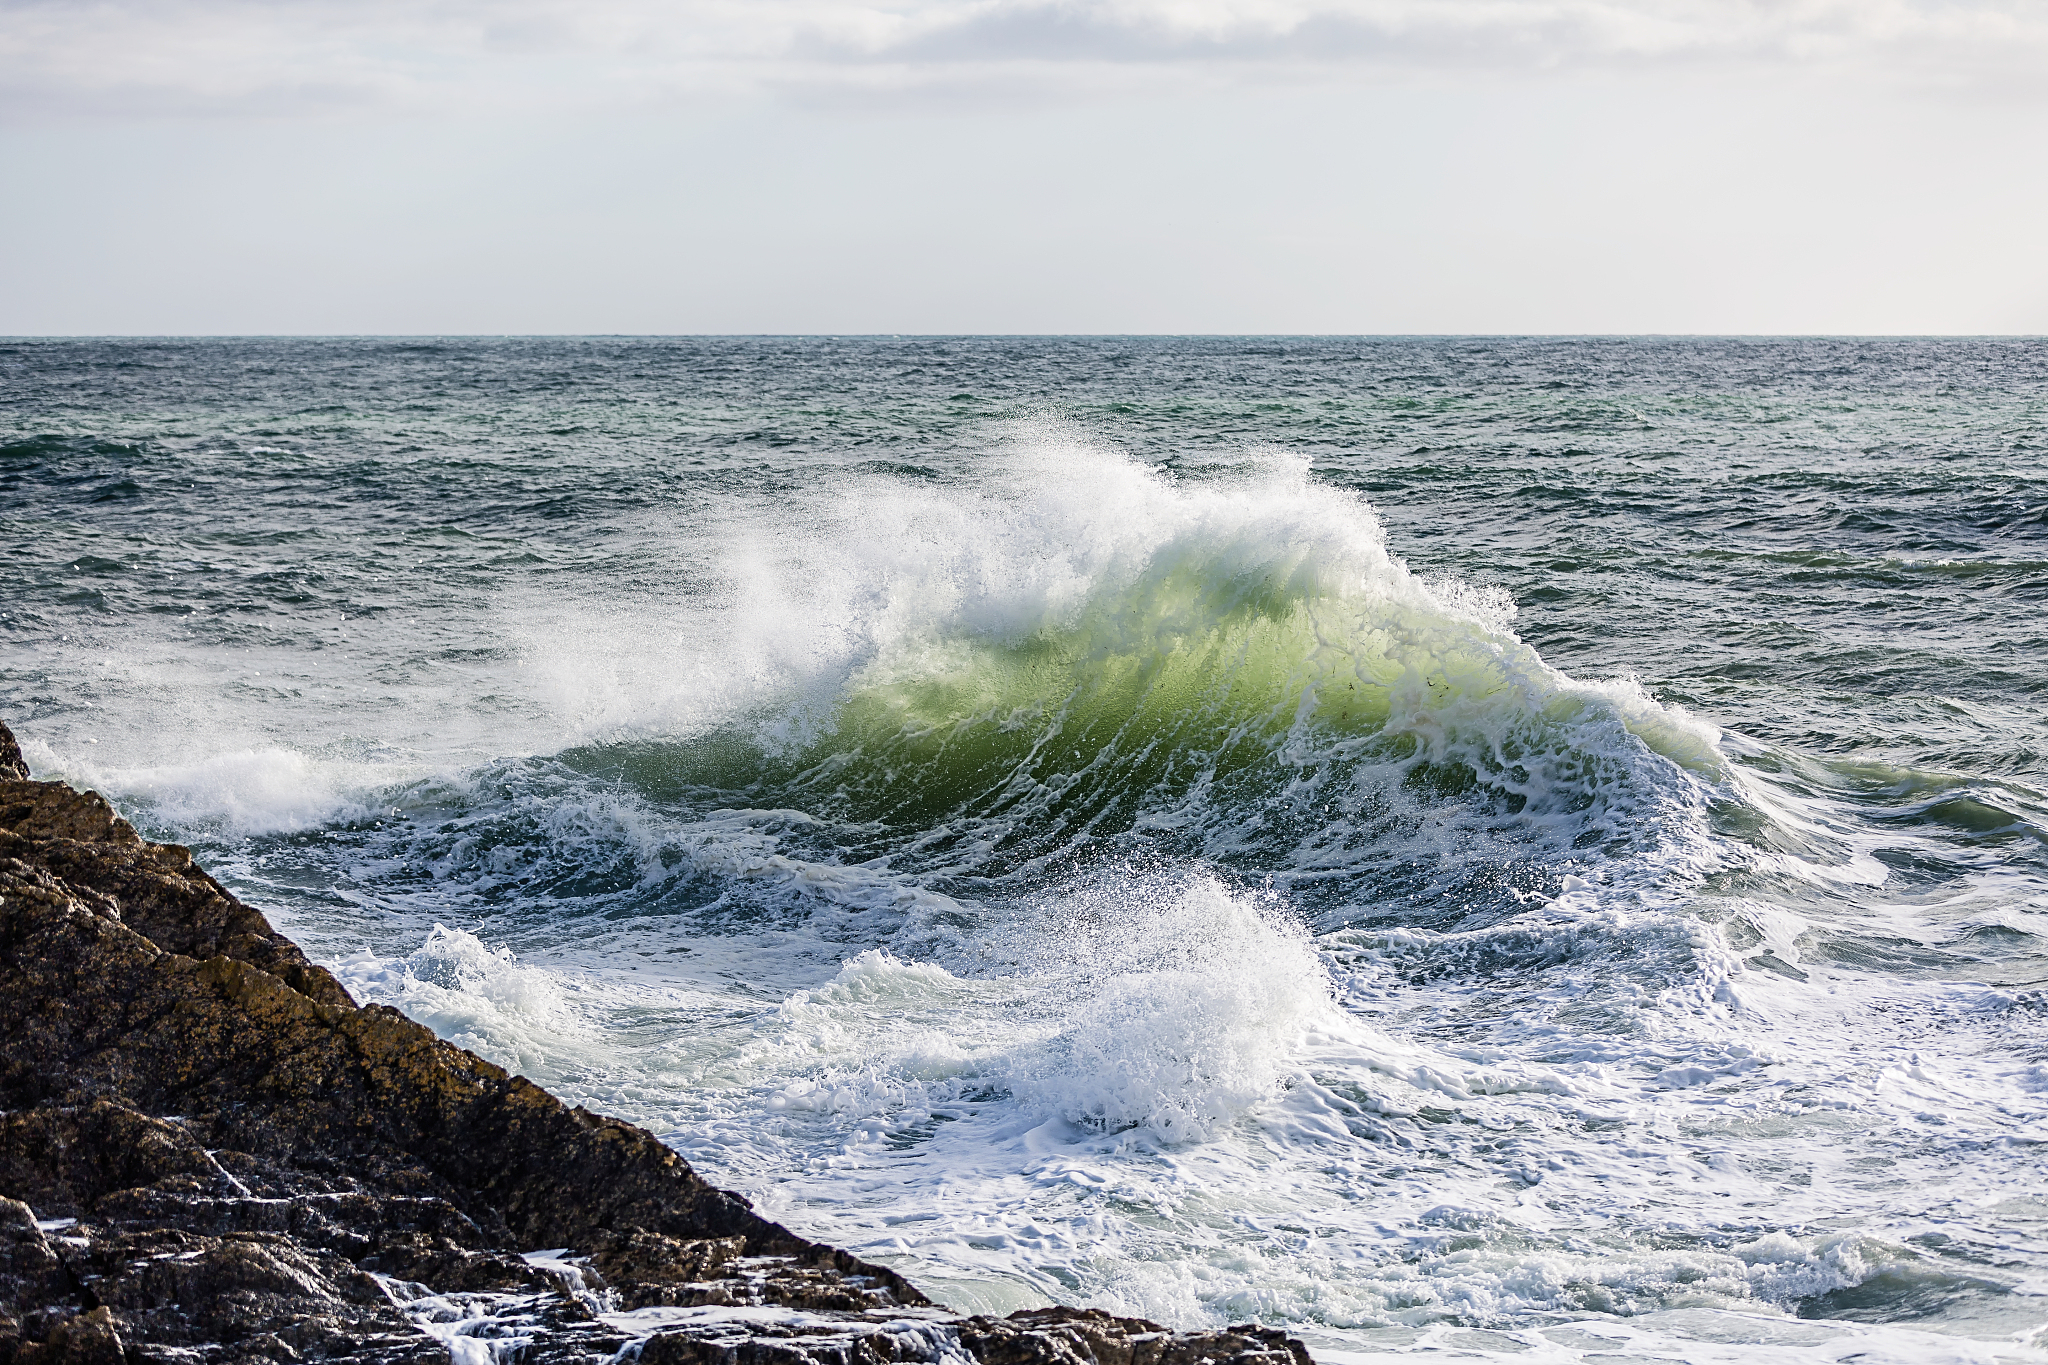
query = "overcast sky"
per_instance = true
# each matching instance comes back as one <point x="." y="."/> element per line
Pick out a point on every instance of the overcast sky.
<point x="392" y="166"/>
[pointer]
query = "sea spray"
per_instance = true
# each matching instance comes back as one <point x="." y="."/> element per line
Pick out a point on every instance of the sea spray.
<point x="1401" y="838"/>
<point x="1171" y="1008"/>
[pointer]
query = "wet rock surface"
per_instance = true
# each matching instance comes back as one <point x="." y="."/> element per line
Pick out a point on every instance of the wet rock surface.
<point x="210" y="1153"/>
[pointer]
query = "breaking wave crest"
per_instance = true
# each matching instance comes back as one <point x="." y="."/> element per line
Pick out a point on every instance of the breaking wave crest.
<point x="1234" y="667"/>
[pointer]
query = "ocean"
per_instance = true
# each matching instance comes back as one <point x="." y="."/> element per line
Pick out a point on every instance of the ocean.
<point x="1520" y="849"/>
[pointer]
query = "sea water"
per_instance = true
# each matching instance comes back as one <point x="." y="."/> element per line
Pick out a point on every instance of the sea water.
<point x="1521" y="849"/>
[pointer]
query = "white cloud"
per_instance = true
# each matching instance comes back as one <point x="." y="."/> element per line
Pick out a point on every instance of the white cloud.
<point x="61" y="57"/>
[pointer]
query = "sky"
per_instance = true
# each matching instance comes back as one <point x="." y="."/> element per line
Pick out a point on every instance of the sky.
<point x="1019" y="166"/>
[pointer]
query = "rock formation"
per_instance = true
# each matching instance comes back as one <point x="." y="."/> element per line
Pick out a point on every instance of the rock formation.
<point x="210" y="1153"/>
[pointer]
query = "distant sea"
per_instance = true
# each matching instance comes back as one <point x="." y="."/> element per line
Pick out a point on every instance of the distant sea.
<point x="1525" y="849"/>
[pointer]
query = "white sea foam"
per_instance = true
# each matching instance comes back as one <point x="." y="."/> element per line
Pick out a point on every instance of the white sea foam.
<point x="527" y="1018"/>
<point x="1652" y="1091"/>
<point x="1178" y="1006"/>
<point x="868" y="584"/>
<point x="246" y="791"/>
<point x="1146" y="1093"/>
<point x="1166" y="1009"/>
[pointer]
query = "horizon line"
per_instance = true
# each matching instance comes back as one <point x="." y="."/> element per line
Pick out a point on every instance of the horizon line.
<point x="18" y="338"/>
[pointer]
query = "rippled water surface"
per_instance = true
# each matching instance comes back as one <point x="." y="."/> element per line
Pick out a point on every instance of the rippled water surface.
<point x="1520" y="848"/>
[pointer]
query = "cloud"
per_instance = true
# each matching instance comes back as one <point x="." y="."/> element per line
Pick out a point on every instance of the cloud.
<point x="153" y="57"/>
<point x="1545" y="33"/>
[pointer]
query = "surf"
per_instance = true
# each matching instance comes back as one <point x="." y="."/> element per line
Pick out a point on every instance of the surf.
<point x="1077" y="652"/>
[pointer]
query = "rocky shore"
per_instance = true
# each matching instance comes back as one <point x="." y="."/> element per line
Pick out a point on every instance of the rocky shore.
<point x="210" y="1153"/>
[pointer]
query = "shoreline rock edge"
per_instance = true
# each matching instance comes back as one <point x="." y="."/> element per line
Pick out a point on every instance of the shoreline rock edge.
<point x="211" y="1154"/>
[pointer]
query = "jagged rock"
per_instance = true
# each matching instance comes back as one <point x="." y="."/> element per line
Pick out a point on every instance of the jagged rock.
<point x="232" y="1161"/>
<point x="87" y="1339"/>
<point x="154" y="888"/>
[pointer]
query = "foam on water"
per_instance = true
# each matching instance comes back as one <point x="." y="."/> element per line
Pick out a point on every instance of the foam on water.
<point x="526" y="1018"/>
<point x="1100" y="1110"/>
<point x="982" y="679"/>
<point x="250" y="791"/>
<point x="1171" y="1009"/>
<point x="1025" y="1076"/>
<point x="1069" y="877"/>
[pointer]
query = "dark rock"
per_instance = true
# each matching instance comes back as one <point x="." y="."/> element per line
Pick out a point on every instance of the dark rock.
<point x="87" y="1339"/>
<point x="154" y="888"/>
<point x="234" y="1162"/>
